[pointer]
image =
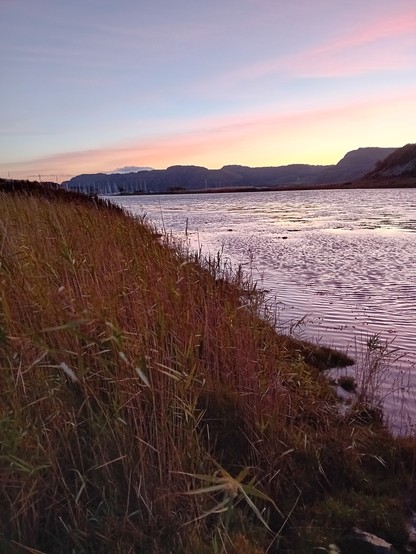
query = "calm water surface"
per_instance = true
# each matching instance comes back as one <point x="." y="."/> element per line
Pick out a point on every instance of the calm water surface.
<point x="344" y="261"/>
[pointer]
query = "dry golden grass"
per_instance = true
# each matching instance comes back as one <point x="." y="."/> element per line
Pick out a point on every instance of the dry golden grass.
<point x="130" y="371"/>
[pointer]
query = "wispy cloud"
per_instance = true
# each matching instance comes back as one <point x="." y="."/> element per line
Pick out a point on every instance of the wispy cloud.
<point x="366" y="49"/>
<point x="130" y="169"/>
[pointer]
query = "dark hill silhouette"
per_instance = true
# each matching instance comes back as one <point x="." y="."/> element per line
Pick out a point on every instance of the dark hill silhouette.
<point x="354" y="165"/>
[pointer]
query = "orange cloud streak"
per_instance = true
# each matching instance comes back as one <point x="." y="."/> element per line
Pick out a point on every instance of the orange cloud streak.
<point x="315" y="136"/>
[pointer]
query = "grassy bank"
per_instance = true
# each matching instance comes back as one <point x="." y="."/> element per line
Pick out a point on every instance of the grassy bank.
<point x="145" y="407"/>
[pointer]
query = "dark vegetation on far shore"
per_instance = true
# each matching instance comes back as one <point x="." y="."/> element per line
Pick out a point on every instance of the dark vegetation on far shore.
<point x="146" y="407"/>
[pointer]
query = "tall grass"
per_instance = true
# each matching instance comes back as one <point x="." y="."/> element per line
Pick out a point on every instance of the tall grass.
<point x="132" y="371"/>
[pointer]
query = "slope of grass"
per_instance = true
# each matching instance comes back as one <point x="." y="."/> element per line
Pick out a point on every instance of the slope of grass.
<point x="145" y="406"/>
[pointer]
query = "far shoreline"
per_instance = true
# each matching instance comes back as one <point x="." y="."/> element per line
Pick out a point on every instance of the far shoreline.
<point x="368" y="184"/>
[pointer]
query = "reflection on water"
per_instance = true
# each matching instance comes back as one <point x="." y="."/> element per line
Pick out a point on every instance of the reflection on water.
<point x="344" y="259"/>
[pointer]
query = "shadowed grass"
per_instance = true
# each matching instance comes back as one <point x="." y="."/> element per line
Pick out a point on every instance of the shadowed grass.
<point x="129" y="369"/>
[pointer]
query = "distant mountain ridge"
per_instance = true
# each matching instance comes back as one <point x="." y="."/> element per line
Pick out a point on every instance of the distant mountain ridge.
<point x="353" y="165"/>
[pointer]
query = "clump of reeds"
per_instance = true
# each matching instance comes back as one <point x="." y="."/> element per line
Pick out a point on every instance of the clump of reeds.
<point x="145" y="406"/>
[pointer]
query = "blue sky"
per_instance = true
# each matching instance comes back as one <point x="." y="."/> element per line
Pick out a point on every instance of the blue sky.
<point x="93" y="85"/>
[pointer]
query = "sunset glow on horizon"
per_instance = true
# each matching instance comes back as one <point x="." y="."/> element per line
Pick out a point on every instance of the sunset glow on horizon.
<point x="91" y="86"/>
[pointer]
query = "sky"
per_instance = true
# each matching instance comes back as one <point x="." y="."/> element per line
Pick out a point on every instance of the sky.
<point x="99" y="85"/>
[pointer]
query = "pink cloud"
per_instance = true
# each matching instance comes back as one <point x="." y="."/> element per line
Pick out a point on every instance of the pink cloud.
<point x="384" y="44"/>
<point x="384" y="28"/>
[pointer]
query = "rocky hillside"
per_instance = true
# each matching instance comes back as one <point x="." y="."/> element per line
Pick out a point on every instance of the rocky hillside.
<point x="354" y="165"/>
<point x="400" y="163"/>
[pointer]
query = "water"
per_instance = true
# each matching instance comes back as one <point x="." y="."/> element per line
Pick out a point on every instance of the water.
<point x="342" y="261"/>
